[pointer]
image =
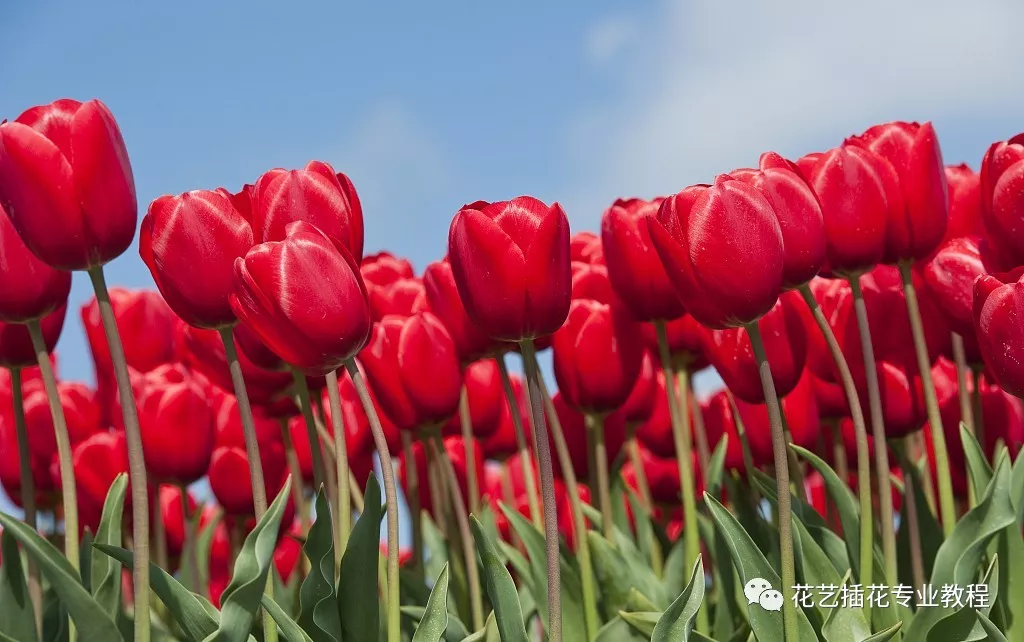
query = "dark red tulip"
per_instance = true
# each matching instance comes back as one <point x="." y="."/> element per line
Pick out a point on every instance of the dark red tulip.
<point x="82" y="413"/>
<point x="229" y="472"/>
<point x="799" y="214"/>
<point x="784" y="329"/>
<point x="177" y="425"/>
<point x="455" y="451"/>
<point x="854" y="206"/>
<point x="29" y="288"/>
<point x="511" y="261"/>
<point x="998" y="310"/>
<point x="304" y="298"/>
<point x="97" y="461"/>
<point x="964" y="202"/>
<point x="636" y="272"/>
<point x="486" y="398"/>
<point x="912" y="150"/>
<point x="722" y="250"/>
<point x="400" y="351"/>
<point x="639" y="406"/>
<point x="16" y="345"/>
<point x="67" y="185"/>
<point x="597" y="356"/>
<point x="502" y="443"/>
<point x="316" y="195"/>
<point x="203" y="351"/>
<point x="586" y="247"/>
<point x="575" y="430"/>
<point x="1002" y="206"/>
<point x="196" y="233"/>
<point x="444" y="301"/>
<point x="174" y="518"/>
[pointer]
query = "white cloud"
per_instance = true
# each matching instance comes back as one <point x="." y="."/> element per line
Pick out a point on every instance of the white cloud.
<point x="712" y="85"/>
<point x="606" y="39"/>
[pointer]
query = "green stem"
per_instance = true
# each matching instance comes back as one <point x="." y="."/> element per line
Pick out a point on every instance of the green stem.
<point x="413" y="498"/>
<point x="28" y="493"/>
<point x="591" y="619"/>
<point x="595" y="437"/>
<point x="882" y="481"/>
<point x="700" y="433"/>
<point x="136" y="461"/>
<point x="867" y="528"/>
<point x="785" y="509"/>
<point x="547" y="485"/>
<point x="976" y="411"/>
<point x="391" y="499"/>
<point x="294" y="469"/>
<point x="931" y="402"/>
<point x="305" y="403"/>
<point x="525" y="459"/>
<point x="252" y="446"/>
<point x="469" y="443"/>
<point x="341" y="463"/>
<point x="679" y="413"/>
<point x="964" y="396"/>
<point x="191" y="562"/>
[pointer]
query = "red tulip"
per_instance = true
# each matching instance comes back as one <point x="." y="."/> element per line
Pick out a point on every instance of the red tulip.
<point x="784" y="329"/>
<point x="29" y="288"/>
<point x="174" y="518"/>
<point x="250" y="345"/>
<point x="964" y="202"/>
<point x="384" y="268"/>
<point x="229" y="476"/>
<point x="586" y="248"/>
<point x="799" y="214"/>
<point x="97" y="461"/>
<point x="197" y="233"/>
<point x="177" y="425"/>
<point x="511" y="264"/>
<point x="82" y="414"/>
<point x="639" y="406"/>
<point x="486" y="398"/>
<point x="391" y="286"/>
<point x="575" y="429"/>
<point x="47" y="495"/>
<point x="998" y="309"/>
<point x="832" y="402"/>
<point x="455" y="451"/>
<point x="912" y="150"/>
<point x="227" y="422"/>
<point x="16" y="345"/>
<point x="655" y="433"/>
<point x="67" y="185"/>
<point x="289" y="552"/>
<point x="316" y="195"/>
<point x="854" y="206"/>
<point x="635" y="270"/>
<point x="597" y="356"/>
<point x="400" y="351"/>
<point x="590" y="281"/>
<point x="949" y="276"/>
<point x="304" y="298"/>
<point x="722" y="250"/>
<point x="443" y="298"/>
<point x="1002" y="207"/>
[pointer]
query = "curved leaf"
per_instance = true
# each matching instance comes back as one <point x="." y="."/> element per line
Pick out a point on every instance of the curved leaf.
<point x="91" y="620"/>
<point x="676" y="623"/>
<point x="716" y="467"/>
<point x="17" y="617"/>
<point x="290" y="630"/>
<point x="435" y="617"/>
<point x="501" y="591"/>
<point x="318" y="609"/>
<point x="994" y="634"/>
<point x="105" y="574"/>
<point x="643" y="621"/>
<point x="977" y="465"/>
<point x="886" y="635"/>
<point x="358" y="603"/>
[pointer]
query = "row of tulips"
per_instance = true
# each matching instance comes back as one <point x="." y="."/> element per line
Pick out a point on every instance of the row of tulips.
<point x="862" y="296"/>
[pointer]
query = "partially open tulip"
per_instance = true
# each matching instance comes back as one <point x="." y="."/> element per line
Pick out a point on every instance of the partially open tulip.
<point x="304" y="298"/>
<point x="799" y="214"/>
<point x="1002" y="204"/>
<point x="67" y="185"/>
<point x="998" y="310"/>
<point x="196" y="233"/>
<point x="317" y="195"/>
<point x="586" y="247"/>
<point x="391" y="286"/>
<point x="16" y="345"/>
<point x="784" y="330"/>
<point x="722" y="249"/>
<point x="854" y="207"/>
<point x="949" y="276"/>
<point x="912" y="150"/>
<point x="486" y="398"/>
<point x="443" y="299"/>
<point x="227" y="422"/>
<point x="511" y="261"/>
<point x="177" y="425"/>
<point x="29" y="288"/>
<point x="401" y="350"/>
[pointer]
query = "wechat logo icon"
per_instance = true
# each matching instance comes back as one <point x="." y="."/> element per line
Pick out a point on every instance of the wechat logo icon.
<point x="759" y="591"/>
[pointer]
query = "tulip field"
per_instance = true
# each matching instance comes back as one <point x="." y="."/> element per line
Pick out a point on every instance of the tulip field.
<point x="858" y="477"/>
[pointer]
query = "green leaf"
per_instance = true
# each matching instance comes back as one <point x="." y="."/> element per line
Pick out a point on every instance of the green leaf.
<point x="930" y="530"/>
<point x="1017" y="489"/>
<point x="676" y="623"/>
<point x="184" y="606"/>
<point x="500" y="589"/>
<point x="318" y="605"/>
<point x="455" y="632"/>
<point x="959" y="556"/>
<point x="241" y="599"/>
<point x="716" y="467"/>
<point x="674" y="573"/>
<point x="845" y="624"/>
<point x="887" y="634"/>
<point x="435" y="546"/>
<point x="204" y="543"/>
<point x="288" y="627"/>
<point x="994" y="634"/>
<point x="91" y="620"/>
<point x="977" y="464"/>
<point x="17" y="618"/>
<point x="643" y="621"/>
<point x="435" y="618"/>
<point x="751" y="564"/>
<point x="358" y="604"/>
<point x="963" y="624"/>
<point x="105" y="574"/>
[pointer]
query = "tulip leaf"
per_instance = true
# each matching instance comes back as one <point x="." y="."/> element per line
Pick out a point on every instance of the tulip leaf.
<point x="618" y="630"/>
<point x="501" y="591"/>
<point x="105" y="573"/>
<point x="17" y="617"/>
<point x="643" y="621"/>
<point x="187" y="609"/>
<point x="844" y="624"/>
<point x="886" y="635"/>
<point x="676" y="623"/>
<point x="490" y="632"/>
<point x="957" y="560"/>
<point x="91" y="620"/>
<point x="963" y="624"/>
<point x="289" y="628"/>
<point x="1017" y="490"/>
<point x="318" y="610"/>
<point x="750" y="563"/>
<point x="241" y="598"/>
<point x="435" y="617"/>
<point x="716" y="467"/>
<point x="358" y="604"/>
<point x="456" y="631"/>
<point x="994" y="634"/>
<point x="977" y="465"/>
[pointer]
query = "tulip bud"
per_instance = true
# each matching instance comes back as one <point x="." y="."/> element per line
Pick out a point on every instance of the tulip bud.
<point x="97" y="461"/>
<point x="177" y="425"/>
